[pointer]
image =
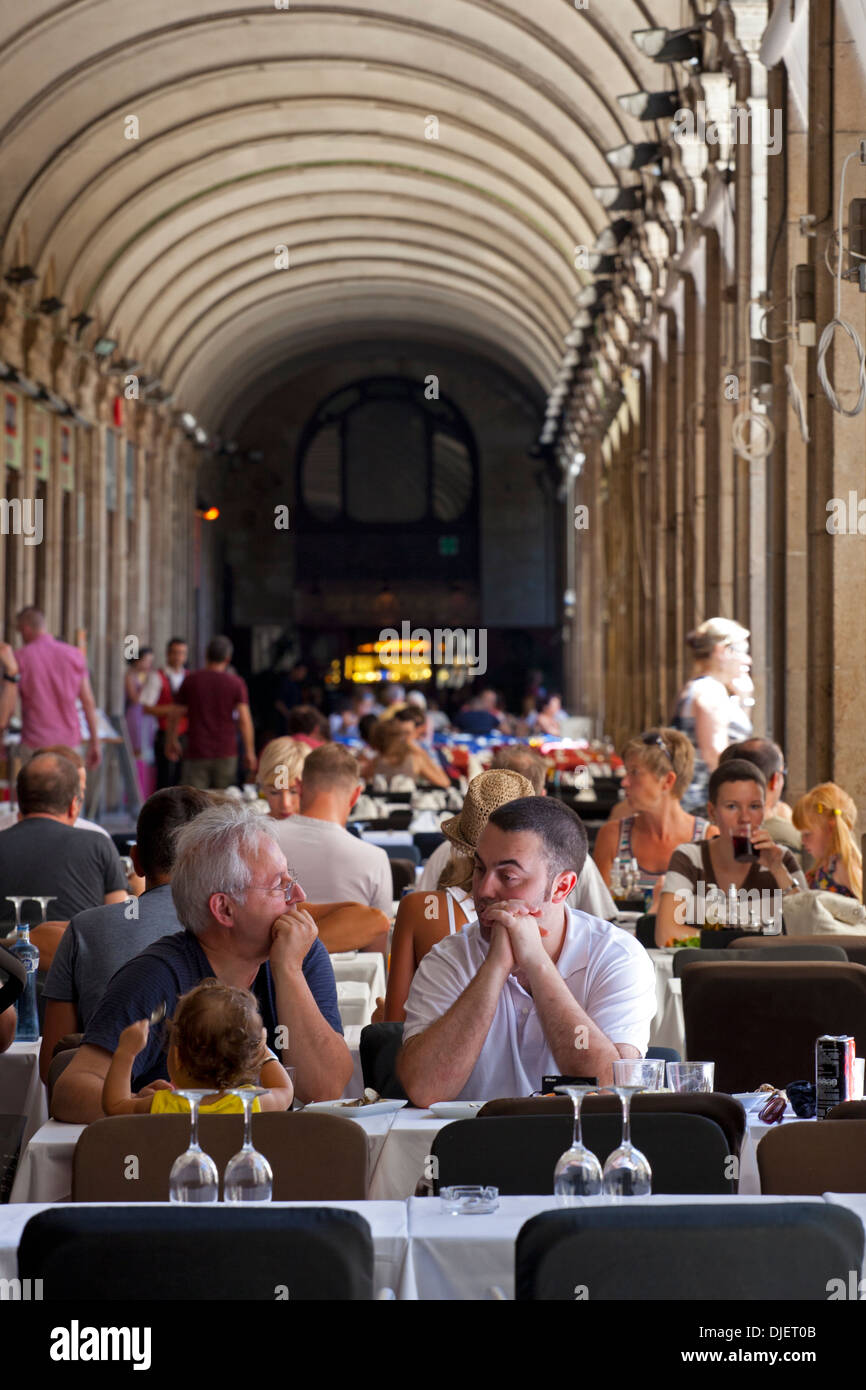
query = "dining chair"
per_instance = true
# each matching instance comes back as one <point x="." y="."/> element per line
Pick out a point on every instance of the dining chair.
<point x="848" y="1110"/>
<point x="379" y="1048"/>
<point x="809" y="1158"/>
<point x="758" y="1021"/>
<point x="854" y="947"/>
<point x="313" y="1157"/>
<point x="179" y="1253"/>
<point x="688" y="1153"/>
<point x="724" y="1110"/>
<point x="402" y="876"/>
<point x="779" y="1251"/>
<point x="689" y="955"/>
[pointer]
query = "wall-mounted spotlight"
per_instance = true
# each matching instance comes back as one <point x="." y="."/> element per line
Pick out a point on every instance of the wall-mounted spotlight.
<point x="188" y="421"/>
<point x="650" y="106"/>
<point x="619" y="199"/>
<point x="614" y="235"/>
<point x="670" y="45"/>
<point x="51" y="305"/>
<point x="207" y="513"/>
<point x="638" y="156"/>
<point x="21" y="275"/>
<point x="200" y="435"/>
<point x="81" y="321"/>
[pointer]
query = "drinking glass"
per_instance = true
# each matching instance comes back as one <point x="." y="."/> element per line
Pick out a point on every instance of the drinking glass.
<point x="248" y="1176"/>
<point x="691" y="1076"/>
<point x="578" y="1171"/>
<point x="643" y="1073"/>
<point x="43" y="903"/>
<point x="16" y="903"/>
<point x="194" y="1176"/>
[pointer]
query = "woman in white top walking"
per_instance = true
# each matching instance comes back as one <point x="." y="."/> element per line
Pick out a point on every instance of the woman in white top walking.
<point x="707" y="710"/>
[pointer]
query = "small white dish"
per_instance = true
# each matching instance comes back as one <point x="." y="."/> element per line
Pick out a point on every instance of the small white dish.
<point x="355" y="1112"/>
<point x="455" y="1109"/>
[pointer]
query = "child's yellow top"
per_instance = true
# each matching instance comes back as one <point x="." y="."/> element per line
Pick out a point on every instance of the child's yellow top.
<point x="167" y="1103"/>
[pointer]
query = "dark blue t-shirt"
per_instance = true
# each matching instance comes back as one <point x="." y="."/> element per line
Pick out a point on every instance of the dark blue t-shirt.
<point x="169" y="968"/>
<point x="476" y="721"/>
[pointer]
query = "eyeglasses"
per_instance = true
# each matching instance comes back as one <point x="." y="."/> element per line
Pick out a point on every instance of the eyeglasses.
<point x="285" y="888"/>
<point x="650" y="739"/>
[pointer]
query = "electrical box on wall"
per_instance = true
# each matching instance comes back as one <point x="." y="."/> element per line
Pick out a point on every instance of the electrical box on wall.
<point x="804" y="304"/>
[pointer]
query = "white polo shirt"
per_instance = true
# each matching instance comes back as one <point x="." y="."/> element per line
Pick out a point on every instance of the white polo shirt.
<point x="609" y="974"/>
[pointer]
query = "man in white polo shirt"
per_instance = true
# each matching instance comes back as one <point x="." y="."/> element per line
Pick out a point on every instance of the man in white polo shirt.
<point x="533" y="988"/>
<point x="332" y="864"/>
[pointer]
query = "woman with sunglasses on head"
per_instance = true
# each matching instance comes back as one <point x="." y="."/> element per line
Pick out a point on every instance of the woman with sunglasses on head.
<point x="710" y="708"/>
<point x="658" y="769"/>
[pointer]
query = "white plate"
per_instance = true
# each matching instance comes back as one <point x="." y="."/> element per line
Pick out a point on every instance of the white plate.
<point x="355" y="1112"/>
<point x="455" y="1109"/>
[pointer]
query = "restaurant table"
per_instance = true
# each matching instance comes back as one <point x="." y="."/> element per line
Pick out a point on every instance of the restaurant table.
<point x="472" y="1257"/>
<point x="366" y="967"/>
<point x="387" y="1222"/>
<point x="21" y="1089"/>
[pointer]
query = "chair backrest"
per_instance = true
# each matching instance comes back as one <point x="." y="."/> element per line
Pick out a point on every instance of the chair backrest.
<point x="779" y="1250"/>
<point x="724" y="1110"/>
<point x="408" y="852"/>
<point x="689" y="955"/>
<point x="59" y="1062"/>
<point x="402" y="875"/>
<point x="663" y="1054"/>
<point x="213" y="1252"/>
<point x="809" y="1159"/>
<point x="791" y="947"/>
<point x="758" y="1021"/>
<point x="379" y="1048"/>
<point x="313" y="1157"/>
<point x="517" y="1154"/>
<point x="853" y="947"/>
<point x="848" y="1110"/>
<point x="12" y="978"/>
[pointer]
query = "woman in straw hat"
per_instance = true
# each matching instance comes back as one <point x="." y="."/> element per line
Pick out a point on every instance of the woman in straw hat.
<point x="425" y="918"/>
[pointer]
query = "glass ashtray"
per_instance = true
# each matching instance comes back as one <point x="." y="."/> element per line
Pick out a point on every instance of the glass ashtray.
<point x="469" y="1201"/>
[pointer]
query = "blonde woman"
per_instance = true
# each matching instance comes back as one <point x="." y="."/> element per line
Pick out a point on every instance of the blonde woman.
<point x="827" y="816"/>
<point x="279" y="776"/>
<point x="658" y="769"/>
<point x="707" y="709"/>
<point x="399" y="755"/>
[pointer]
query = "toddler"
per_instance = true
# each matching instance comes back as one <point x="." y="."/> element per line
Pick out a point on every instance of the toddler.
<point x="217" y="1041"/>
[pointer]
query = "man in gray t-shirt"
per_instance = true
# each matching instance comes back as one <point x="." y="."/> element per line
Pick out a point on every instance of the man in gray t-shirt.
<point x="98" y="942"/>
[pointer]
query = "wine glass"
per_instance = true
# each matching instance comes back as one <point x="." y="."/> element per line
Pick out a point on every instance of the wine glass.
<point x="578" y="1172"/>
<point x="16" y="903"/>
<point x="194" y="1176"/>
<point x="627" y="1172"/>
<point x="248" y="1176"/>
<point x="43" y="903"/>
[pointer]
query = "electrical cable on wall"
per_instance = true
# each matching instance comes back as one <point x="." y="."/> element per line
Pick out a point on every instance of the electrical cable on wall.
<point x="749" y="425"/>
<point x="838" y="322"/>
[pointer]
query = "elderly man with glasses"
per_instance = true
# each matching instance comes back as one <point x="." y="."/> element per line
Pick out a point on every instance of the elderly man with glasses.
<point x="245" y="925"/>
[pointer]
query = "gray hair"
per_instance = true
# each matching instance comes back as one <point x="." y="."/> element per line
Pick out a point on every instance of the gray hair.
<point x="213" y="854"/>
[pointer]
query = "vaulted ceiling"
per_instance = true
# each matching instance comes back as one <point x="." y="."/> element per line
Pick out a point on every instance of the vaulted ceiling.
<point x="312" y="128"/>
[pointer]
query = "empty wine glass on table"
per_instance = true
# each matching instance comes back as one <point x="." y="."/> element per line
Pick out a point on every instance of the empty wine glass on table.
<point x="627" y="1172"/>
<point x="578" y="1172"/>
<point x="194" y="1176"/>
<point x="248" y="1176"/>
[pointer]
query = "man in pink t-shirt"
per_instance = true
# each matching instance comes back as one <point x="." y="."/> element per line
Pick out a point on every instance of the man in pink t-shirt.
<point x="50" y="676"/>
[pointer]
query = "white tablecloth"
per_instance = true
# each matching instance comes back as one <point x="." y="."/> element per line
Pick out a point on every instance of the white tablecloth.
<point x="387" y="1222"/>
<point x="468" y="1257"/>
<point x="360" y="977"/>
<point x="397" y="1146"/>
<point x="21" y="1090"/>
<point x="667" y="1028"/>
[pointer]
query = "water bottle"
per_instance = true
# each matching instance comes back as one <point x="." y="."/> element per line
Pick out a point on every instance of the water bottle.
<point x="27" y="1029"/>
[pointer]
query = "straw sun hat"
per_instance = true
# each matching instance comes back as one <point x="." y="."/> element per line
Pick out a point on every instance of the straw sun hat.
<point x="485" y="794"/>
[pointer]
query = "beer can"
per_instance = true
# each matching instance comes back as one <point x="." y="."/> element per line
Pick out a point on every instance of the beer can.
<point x="834" y="1071"/>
